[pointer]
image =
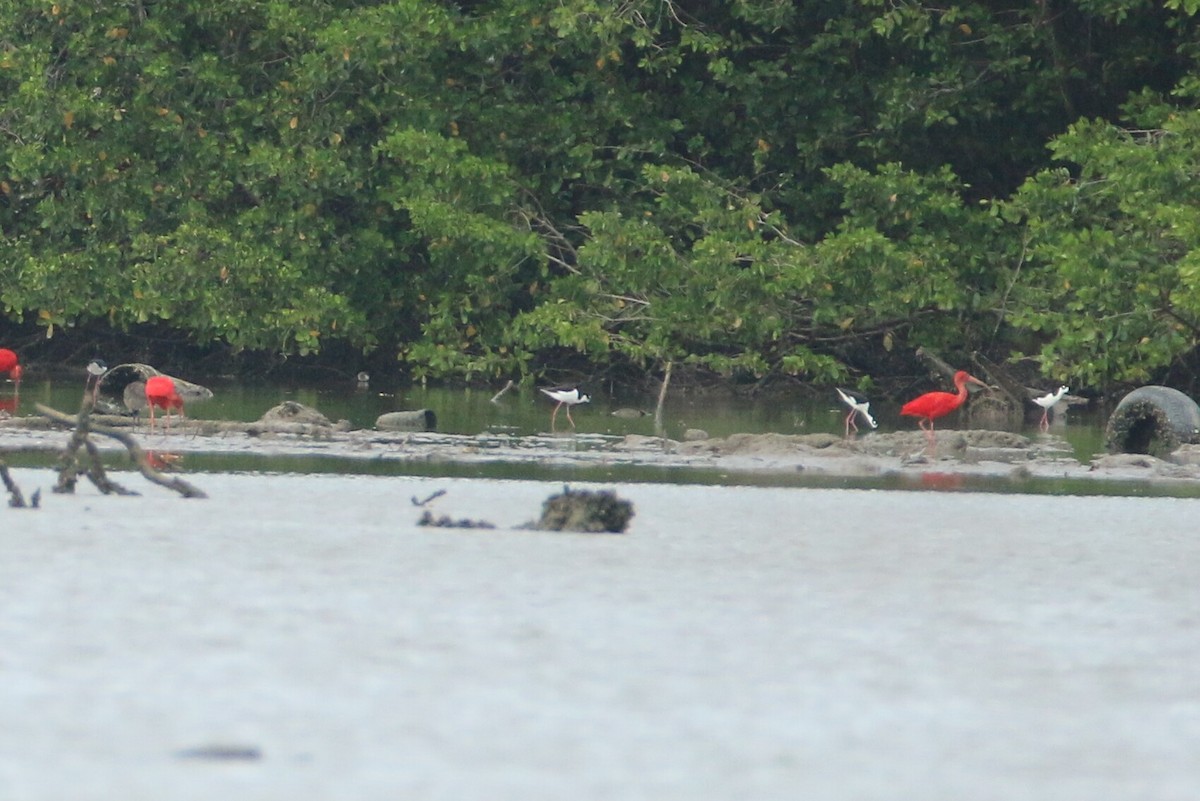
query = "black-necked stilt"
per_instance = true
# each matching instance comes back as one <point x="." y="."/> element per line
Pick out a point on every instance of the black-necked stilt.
<point x="859" y="405"/>
<point x="9" y="363"/>
<point x="161" y="392"/>
<point x="932" y="405"/>
<point x="1048" y="402"/>
<point x="95" y="370"/>
<point x="568" y="396"/>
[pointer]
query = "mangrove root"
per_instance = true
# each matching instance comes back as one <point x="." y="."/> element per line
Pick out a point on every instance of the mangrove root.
<point x="70" y="467"/>
<point x="16" y="499"/>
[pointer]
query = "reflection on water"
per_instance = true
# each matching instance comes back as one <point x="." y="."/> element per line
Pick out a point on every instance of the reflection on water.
<point x="525" y="413"/>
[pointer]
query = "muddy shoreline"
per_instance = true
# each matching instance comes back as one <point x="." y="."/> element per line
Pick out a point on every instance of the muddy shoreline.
<point x="979" y="453"/>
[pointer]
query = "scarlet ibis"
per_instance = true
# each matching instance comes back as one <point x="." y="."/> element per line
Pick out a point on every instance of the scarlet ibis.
<point x="9" y="363"/>
<point x="160" y="392"/>
<point x="932" y="405"/>
<point x="859" y="405"/>
<point x="568" y="396"/>
<point x="1048" y="402"/>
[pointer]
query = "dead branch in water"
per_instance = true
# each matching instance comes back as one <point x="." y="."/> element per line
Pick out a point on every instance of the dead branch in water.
<point x="69" y="463"/>
<point x="432" y="497"/>
<point x="662" y="397"/>
<point x="16" y="499"/>
<point x="70" y="467"/>
<point x="504" y="389"/>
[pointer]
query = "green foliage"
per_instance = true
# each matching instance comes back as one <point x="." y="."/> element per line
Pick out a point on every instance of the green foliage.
<point x="1115" y="249"/>
<point x="756" y="187"/>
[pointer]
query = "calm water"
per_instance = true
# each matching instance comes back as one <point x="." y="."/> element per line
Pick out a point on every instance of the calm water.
<point x="527" y="412"/>
<point x="523" y="413"/>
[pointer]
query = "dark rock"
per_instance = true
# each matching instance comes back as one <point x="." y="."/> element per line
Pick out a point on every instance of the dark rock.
<point x="445" y="521"/>
<point x="417" y="420"/>
<point x="293" y="412"/>
<point x="586" y="511"/>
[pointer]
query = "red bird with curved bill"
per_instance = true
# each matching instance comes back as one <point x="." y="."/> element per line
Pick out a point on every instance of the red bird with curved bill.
<point x="161" y="393"/>
<point x="934" y="405"/>
<point x="9" y="363"/>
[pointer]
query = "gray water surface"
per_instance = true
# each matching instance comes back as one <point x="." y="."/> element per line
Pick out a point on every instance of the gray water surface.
<point x="299" y="637"/>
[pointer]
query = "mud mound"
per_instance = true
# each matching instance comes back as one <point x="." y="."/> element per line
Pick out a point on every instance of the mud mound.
<point x="293" y="412"/>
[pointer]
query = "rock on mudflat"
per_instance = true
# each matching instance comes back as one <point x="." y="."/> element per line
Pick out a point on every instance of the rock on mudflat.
<point x="294" y="412"/>
<point x="587" y="511"/>
<point x="417" y="420"/>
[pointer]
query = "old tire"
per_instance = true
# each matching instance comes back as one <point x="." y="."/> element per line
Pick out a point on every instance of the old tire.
<point x="1152" y="420"/>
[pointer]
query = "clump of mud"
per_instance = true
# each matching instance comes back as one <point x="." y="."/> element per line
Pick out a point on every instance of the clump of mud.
<point x="590" y="512"/>
<point x="445" y="521"/>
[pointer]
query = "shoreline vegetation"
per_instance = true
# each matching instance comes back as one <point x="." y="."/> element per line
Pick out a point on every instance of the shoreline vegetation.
<point x="761" y="192"/>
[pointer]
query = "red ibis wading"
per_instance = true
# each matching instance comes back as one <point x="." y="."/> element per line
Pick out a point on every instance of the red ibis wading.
<point x="161" y="393"/>
<point x="933" y="405"/>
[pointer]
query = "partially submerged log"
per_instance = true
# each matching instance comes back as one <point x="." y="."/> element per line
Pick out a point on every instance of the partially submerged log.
<point x="1009" y="397"/>
<point x="1152" y="420"/>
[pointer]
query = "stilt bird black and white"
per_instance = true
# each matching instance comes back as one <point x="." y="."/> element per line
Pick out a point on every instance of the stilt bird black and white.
<point x="859" y="405"/>
<point x="95" y="371"/>
<point x="1048" y="402"/>
<point x="566" y="396"/>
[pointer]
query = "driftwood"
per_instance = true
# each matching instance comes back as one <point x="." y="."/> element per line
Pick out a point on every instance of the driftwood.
<point x="1003" y="382"/>
<point x="16" y="499"/>
<point x="659" y="428"/>
<point x="445" y="521"/>
<point x="936" y="364"/>
<point x="70" y="466"/>
<point x="500" y="394"/>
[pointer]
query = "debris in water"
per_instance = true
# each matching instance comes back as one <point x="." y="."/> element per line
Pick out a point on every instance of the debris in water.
<point x="584" y="510"/>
